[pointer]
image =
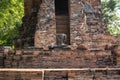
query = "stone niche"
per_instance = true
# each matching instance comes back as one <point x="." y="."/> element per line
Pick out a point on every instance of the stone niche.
<point x="77" y="24"/>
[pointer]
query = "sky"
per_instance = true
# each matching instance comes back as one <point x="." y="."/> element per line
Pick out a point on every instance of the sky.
<point x="117" y="10"/>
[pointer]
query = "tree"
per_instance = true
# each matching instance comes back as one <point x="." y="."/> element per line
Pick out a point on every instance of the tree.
<point x="109" y="8"/>
<point x="11" y="12"/>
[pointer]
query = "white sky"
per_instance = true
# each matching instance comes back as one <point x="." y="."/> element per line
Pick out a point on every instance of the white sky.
<point x="118" y="12"/>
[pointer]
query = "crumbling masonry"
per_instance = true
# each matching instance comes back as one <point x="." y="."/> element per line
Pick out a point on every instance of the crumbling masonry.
<point x="65" y="35"/>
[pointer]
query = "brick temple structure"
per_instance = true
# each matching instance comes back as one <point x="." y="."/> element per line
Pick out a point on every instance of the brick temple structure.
<point x="62" y="40"/>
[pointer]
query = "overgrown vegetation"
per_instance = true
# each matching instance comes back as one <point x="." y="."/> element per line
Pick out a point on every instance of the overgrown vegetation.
<point x="109" y="8"/>
<point x="11" y="12"/>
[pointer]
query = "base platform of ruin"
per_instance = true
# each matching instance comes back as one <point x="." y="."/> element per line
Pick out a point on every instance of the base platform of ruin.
<point x="60" y="64"/>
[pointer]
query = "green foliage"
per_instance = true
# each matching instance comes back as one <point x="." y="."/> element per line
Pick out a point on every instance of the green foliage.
<point x="11" y="12"/>
<point x="109" y="8"/>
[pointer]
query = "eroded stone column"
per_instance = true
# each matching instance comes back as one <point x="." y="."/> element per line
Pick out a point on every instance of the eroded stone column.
<point x="45" y="34"/>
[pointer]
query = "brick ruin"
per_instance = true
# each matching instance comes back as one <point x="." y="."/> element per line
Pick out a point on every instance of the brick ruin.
<point x="60" y="34"/>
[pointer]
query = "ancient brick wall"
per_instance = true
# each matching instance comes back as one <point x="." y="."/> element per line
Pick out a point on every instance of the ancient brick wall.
<point x="31" y="6"/>
<point x="87" y="28"/>
<point x="1" y="58"/>
<point x="117" y="51"/>
<point x="60" y="59"/>
<point x="61" y="75"/>
<point x="15" y="75"/>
